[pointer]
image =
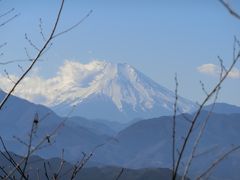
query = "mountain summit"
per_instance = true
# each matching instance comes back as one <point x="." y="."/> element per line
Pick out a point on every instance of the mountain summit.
<point x="115" y="92"/>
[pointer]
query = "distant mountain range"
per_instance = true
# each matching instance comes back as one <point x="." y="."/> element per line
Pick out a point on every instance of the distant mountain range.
<point x="17" y="116"/>
<point x="223" y="108"/>
<point x="147" y="143"/>
<point x="36" y="168"/>
<point x="140" y="144"/>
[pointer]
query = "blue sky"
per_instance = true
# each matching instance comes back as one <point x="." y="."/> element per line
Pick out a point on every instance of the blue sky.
<point x="158" y="37"/>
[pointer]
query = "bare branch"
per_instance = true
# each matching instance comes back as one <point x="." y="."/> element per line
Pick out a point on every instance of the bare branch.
<point x="216" y="162"/>
<point x="20" y="67"/>
<point x="6" y="13"/>
<point x="4" y="172"/>
<point x="200" y="134"/>
<point x="198" y="112"/>
<point x="56" y="175"/>
<point x="203" y="88"/>
<point x="10" y="19"/>
<point x="41" y="29"/>
<point x="206" y="151"/>
<point x="31" y="43"/>
<point x="15" y="61"/>
<point x="20" y="141"/>
<point x="36" y="58"/>
<point x="8" y="77"/>
<point x="42" y="50"/>
<point x="120" y="174"/>
<point x="45" y="171"/>
<point x="174" y="125"/>
<point x="75" y="25"/>
<point x="45" y="139"/>
<point x="230" y="10"/>
<point x="29" y="147"/>
<point x="11" y="160"/>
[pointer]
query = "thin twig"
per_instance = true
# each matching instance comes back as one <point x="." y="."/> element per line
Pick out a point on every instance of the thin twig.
<point x="78" y="166"/>
<point x="31" y="43"/>
<point x="230" y="10"/>
<point x="214" y="147"/>
<point x="10" y="19"/>
<point x="45" y="171"/>
<point x="11" y="160"/>
<point x="197" y="141"/>
<point x="56" y="175"/>
<point x="14" y="61"/>
<point x="34" y="126"/>
<point x="75" y="25"/>
<point x="216" y="162"/>
<point x="120" y="174"/>
<point x="190" y="130"/>
<point x="41" y="29"/>
<point x="6" y="13"/>
<point x="45" y="139"/>
<point x="174" y="126"/>
<point x="204" y="124"/>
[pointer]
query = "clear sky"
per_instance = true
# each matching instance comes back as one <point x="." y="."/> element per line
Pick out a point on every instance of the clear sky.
<point x="158" y="37"/>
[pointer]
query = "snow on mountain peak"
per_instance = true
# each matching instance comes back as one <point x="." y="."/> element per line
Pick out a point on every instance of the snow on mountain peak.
<point x="121" y="83"/>
<point x="101" y="85"/>
<point x="100" y="77"/>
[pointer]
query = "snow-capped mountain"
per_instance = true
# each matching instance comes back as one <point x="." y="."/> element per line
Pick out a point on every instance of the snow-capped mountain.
<point x="112" y="91"/>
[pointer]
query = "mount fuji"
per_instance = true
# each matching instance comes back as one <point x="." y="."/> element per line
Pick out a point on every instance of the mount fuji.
<point x="116" y="92"/>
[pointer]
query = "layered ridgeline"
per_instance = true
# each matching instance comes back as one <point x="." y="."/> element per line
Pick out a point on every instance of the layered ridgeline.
<point x="143" y="144"/>
<point x="117" y="92"/>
